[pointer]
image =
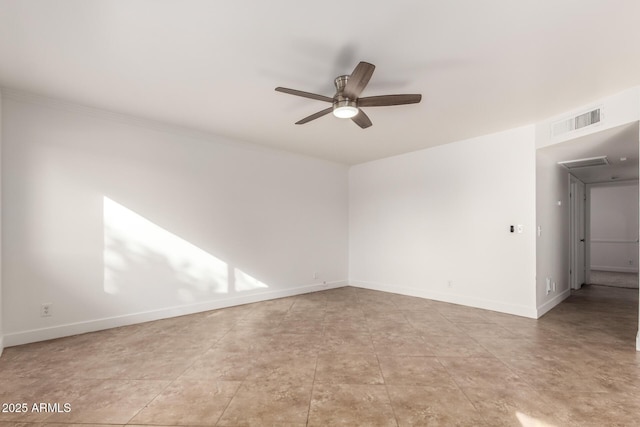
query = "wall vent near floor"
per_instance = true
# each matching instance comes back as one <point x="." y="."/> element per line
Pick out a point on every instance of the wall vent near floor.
<point x="574" y="123"/>
<point x="584" y="163"/>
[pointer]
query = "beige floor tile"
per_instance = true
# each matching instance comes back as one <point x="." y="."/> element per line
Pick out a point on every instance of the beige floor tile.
<point x="598" y="409"/>
<point x="293" y="367"/>
<point x="433" y="406"/>
<point x="188" y="402"/>
<point x="461" y="314"/>
<point x="385" y="316"/>
<point x="552" y="373"/>
<point x="138" y="366"/>
<point x="517" y="407"/>
<point x="338" y="314"/>
<point x="442" y="328"/>
<point x="350" y="405"/>
<point x="222" y="366"/>
<point x="410" y="344"/>
<point x="429" y="316"/>
<point x="485" y="330"/>
<point x="481" y="372"/>
<point x="410" y="303"/>
<point x="346" y="342"/>
<point x="334" y="327"/>
<point x="348" y="369"/>
<point x="427" y="371"/>
<point x="40" y="363"/>
<point x="74" y="425"/>
<point x="456" y="346"/>
<point x="245" y="339"/>
<point x="33" y="391"/>
<point x="391" y="327"/>
<point x="261" y="403"/>
<point x="301" y="326"/>
<point x="294" y="342"/>
<point x="111" y="402"/>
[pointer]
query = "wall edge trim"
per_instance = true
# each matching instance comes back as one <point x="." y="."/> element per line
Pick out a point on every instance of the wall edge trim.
<point x="614" y="269"/>
<point x="491" y="305"/>
<point x="69" y="329"/>
<point x="547" y="306"/>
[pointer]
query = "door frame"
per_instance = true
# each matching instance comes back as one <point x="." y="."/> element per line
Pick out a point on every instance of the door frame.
<point x="578" y="234"/>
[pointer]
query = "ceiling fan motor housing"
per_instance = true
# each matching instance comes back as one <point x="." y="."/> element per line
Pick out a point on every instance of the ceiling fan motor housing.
<point x="342" y="106"/>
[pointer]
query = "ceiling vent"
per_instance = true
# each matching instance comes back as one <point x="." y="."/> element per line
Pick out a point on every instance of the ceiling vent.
<point x="577" y="122"/>
<point x="585" y="163"/>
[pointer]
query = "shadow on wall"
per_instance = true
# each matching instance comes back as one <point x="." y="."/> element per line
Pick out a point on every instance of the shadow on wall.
<point x="143" y="260"/>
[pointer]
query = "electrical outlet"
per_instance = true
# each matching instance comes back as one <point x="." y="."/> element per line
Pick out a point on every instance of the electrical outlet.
<point x="554" y="286"/>
<point x="450" y="284"/>
<point x="45" y="309"/>
<point x="548" y="286"/>
<point x="315" y="275"/>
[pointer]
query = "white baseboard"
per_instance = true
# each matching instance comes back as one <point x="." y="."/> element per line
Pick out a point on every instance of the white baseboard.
<point x="638" y="341"/>
<point x="614" y="269"/>
<point x="450" y="298"/>
<point x="547" y="306"/>
<point x="43" y="334"/>
<point x="1" y="344"/>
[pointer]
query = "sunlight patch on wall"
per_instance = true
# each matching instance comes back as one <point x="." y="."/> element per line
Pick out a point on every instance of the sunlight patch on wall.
<point x="244" y="282"/>
<point x="139" y="254"/>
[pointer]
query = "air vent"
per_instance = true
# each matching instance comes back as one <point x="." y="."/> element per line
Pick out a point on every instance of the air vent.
<point x="585" y="163"/>
<point x="577" y="122"/>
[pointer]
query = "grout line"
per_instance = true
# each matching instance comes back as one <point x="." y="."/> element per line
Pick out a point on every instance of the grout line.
<point x="239" y="385"/>
<point x="313" y="385"/>
<point x="315" y="369"/>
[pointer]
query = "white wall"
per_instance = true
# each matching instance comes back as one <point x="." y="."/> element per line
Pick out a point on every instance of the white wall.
<point x="422" y="220"/>
<point x="552" y="216"/>
<point x="115" y="220"/>
<point x="614" y="227"/>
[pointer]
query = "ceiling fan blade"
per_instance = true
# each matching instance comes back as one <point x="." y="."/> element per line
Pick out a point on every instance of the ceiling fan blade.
<point x="358" y="80"/>
<point x="304" y="94"/>
<point x="386" y="100"/>
<point x="362" y="120"/>
<point x="315" y="116"/>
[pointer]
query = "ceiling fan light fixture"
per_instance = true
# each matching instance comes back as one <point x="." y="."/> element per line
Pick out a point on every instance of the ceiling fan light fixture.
<point x="345" y="112"/>
<point x="345" y="108"/>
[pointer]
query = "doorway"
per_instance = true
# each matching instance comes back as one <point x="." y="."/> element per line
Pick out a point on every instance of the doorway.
<point x="612" y="230"/>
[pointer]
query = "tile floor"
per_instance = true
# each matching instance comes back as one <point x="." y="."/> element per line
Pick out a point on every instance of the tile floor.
<point x="343" y="357"/>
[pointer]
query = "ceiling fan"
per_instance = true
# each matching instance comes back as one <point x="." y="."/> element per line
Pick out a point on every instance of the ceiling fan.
<point x="346" y="101"/>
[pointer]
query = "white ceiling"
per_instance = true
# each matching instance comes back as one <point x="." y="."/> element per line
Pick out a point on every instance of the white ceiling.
<point x="482" y="66"/>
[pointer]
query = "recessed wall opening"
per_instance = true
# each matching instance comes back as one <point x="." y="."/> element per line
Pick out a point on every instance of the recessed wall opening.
<point x="592" y="242"/>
